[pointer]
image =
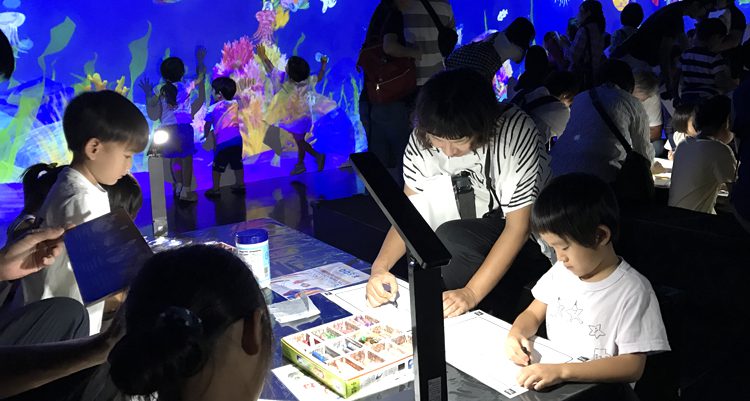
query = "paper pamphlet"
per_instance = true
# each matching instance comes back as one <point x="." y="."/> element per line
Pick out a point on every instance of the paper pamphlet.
<point x="319" y="279"/>
<point x="475" y="344"/>
<point x="305" y="387"/>
<point x="353" y="300"/>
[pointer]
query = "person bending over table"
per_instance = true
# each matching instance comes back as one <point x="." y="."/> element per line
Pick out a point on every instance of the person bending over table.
<point x="461" y="128"/>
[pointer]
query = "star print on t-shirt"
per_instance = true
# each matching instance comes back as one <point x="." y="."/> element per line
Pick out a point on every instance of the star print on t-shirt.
<point x="596" y="330"/>
<point x="574" y="312"/>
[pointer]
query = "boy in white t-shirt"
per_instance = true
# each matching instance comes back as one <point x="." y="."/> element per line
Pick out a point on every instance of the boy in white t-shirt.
<point x="103" y="130"/>
<point x="225" y="136"/>
<point x="594" y="303"/>
<point x="704" y="163"/>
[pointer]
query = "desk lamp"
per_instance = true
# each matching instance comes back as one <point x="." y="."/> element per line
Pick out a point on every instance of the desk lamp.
<point x="156" y="183"/>
<point x="426" y="255"/>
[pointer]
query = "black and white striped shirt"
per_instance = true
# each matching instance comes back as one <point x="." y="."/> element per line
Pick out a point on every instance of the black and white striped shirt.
<point x="701" y="71"/>
<point x="519" y="164"/>
<point x="420" y="30"/>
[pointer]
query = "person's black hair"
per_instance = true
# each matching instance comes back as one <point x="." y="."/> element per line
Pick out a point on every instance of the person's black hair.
<point x="107" y="116"/>
<point x="226" y="86"/>
<point x="7" y="58"/>
<point x="596" y="15"/>
<point x="573" y="206"/>
<point x="125" y="193"/>
<point x="710" y="28"/>
<point x="520" y="32"/>
<point x="632" y="15"/>
<point x="37" y="181"/>
<point x="536" y="68"/>
<point x="178" y="306"/>
<point x="455" y="104"/>
<point x="297" y="68"/>
<point x="172" y="70"/>
<point x="616" y="72"/>
<point x="681" y="117"/>
<point x="572" y="28"/>
<point x="563" y="84"/>
<point x="711" y="116"/>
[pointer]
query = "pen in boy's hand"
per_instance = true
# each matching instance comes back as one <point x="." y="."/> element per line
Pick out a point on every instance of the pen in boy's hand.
<point x="387" y="287"/>
<point x="526" y="351"/>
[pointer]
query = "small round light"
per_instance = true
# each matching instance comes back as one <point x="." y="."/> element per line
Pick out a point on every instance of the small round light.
<point x="160" y="137"/>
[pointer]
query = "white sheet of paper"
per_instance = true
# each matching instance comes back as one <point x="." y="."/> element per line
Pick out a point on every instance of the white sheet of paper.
<point x="475" y="344"/>
<point x="437" y="202"/>
<point x="353" y="300"/>
<point x="305" y="387"/>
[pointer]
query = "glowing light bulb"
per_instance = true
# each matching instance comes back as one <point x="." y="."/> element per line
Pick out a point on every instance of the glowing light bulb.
<point x="160" y="137"/>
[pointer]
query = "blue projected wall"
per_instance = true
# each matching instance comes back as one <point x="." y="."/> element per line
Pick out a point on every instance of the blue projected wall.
<point x="72" y="46"/>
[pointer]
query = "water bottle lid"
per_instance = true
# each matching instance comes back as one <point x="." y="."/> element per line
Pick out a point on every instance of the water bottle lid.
<point x="253" y="236"/>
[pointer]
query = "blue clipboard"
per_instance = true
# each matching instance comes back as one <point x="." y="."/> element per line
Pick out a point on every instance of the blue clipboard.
<point x="106" y="253"/>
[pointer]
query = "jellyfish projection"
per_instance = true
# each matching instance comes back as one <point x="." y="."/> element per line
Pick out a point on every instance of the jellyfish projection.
<point x="266" y="19"/>
<point x="620" y="4"/>
<point x="9" y="23"/>
<point x="327" y="4"/>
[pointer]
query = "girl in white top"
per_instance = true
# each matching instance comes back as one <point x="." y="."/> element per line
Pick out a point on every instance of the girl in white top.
<point x="175" y="107"/>
<point x="683" y="123"/>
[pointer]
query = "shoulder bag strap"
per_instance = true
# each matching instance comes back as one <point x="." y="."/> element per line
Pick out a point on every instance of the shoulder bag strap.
<point x="608" y="120"/>
<point x="435" y="18"/>
<point x="488" y="168"/>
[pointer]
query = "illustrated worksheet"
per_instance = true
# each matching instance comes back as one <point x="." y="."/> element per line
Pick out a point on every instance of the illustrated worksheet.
<point x="354" y="300"/>
<point x="475" y="344"/>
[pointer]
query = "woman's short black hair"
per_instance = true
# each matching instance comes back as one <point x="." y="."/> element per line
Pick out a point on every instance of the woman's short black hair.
<point x="226" y="86"/>
<point x="681" y="117"/>
<point x="573" y="206"/>
<point x="178" y="306"/>
<point x="297" y="68"/>
<point x="456" y="104"/>
<point x="632" y="15"/>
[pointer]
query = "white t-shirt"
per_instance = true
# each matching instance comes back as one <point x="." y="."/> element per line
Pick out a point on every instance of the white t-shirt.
<point x="519" y="164"/>
<point x="700" y="167"/>
<point x="588" y="145"/>
<point x="678" y="137"/>
<point x="550" y="118"/>
<point x="652" y="105"/>
<point x="615" y="316"/>
<point x="72" y="200"/>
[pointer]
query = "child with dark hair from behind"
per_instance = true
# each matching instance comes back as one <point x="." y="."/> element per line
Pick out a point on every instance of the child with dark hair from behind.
<point x="702" y="71"/>
<point x="593" y="302"/>
<point x="174" y="107"/>
<point x="704" y="163"/>
<point x="630" y="17"/>
<point x="683" y="125"/>
<point x="103" y="130"/>
<point x="225" y="136"/>
<point x="296" y="106"/>
<point x="194" y="331"/>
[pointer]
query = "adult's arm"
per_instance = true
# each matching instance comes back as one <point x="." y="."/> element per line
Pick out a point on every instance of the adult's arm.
<point x="393" y="48"/>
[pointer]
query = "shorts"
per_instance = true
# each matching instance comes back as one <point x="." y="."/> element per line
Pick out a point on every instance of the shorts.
<point x="181" y="141"/>
<point x="230" y="154"/>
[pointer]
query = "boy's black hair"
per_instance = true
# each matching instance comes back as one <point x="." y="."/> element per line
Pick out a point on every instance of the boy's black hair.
<point x="632" y="15"/>
<point x="712" y="115"/>
<point x="520" y="32"/>
<point x="681" y="117"/>
<point x="125" y="193"/>
<point x="616" y="72"/>
<point x="710" y="28"/>
<point x="226" y="86"/>
<point x="573" y="206"/>
<point x="297" y="68"/>
<point x="455" y="104"/>
<point x="7" y="58"/>
<point x="107" y="116"/>
<point x="563" y="84"/>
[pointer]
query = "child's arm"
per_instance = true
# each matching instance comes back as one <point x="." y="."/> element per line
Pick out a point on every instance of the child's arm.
<point x="200" y="56"/>
<point x="260" y="50"/>
<point x="153" y="106"/>
<point x="323" y="64"/>
<point x="525" y="326"/>
<point x="617" y="369"/>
